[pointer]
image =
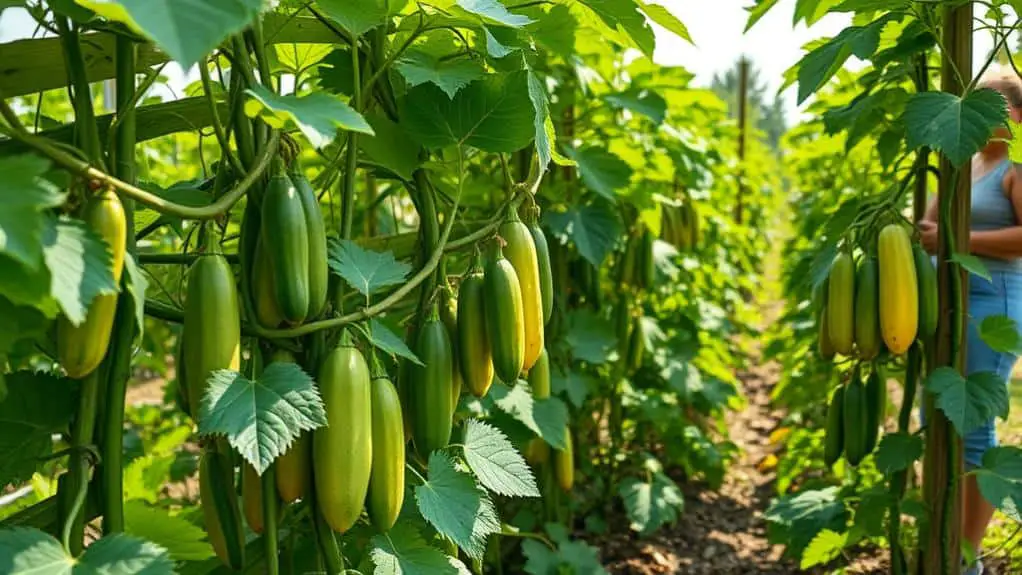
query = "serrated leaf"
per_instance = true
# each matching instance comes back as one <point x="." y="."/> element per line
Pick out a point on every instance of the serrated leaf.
<point x="145" y="476"/>
<point x="590" y="337"/>
<point x="972" y="264"/>
<point x="186" y="29"/>
<point x="28" y="551"/>
<point x="545" y="138"/>
<point x="601" y="170"/>
<point x="573" y="384"/>
<point x="795" y="519"/>
<point x="182" y="540"/>
<point x="455" y="506"/>
<point x="495" y="11"/>
<point x="757" y="11"/>
<point x="366" y="270"/>
<point x="620" y="21"/>
<point x="547" y="418"/>
<point x="493" y="114"/>
<point x="956" y="126"/>
<point x="1000" y="479"/>
<point x="651" y="504"/>
<point x="403" y="551"/>
<point x="390" y="342"/>
<point x="450" y="75"/>
<point x="824" y="548"/>
<point x="80" y="267"/>
<point x="261" y="418"/>
<point x="1000" y="332"/>
<point x="318" y="115"/>
<point x="496" y="463"/>
<point x="296" y="58"/>
<point x="390" y="146"/>
<point x="594" y="228"/>
<point x="137" y="285"/>
<point x="663" y="16"/>
<point x="361" y="16"/>
<point x="968" y="403"/>
<point x="820" y="65"/>
<point x="26" y="195"/>
<point x="37" y="406"/>
<point x="897" y="452"/>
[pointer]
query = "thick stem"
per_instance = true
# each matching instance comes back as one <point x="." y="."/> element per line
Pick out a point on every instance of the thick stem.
<point x="82" y="434"/>
<point x="85" y="117"/>
<point x="270" y="533"/>
<point x="351" y="158"/>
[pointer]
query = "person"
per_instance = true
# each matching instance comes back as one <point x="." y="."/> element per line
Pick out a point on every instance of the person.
<point x="996" y="239"/>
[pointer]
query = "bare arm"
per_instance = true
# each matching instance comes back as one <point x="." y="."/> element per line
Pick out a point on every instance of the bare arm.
<point x="931" y="211"/>
<point x="1005" y="243"/>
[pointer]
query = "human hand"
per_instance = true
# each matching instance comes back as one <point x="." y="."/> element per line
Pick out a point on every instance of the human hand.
<point x="928" y="236"/>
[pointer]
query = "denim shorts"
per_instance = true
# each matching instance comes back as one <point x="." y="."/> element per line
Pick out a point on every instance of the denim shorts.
<point x="1001" y="295"/>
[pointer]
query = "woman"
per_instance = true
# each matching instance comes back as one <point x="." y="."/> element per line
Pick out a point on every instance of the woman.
<point x="996" y="239"/>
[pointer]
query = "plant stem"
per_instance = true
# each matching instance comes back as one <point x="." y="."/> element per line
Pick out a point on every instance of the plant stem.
<point x="351" y="158"/>
<point x="270" y="535"/>
<point x="78" y="467"/>
<point x="85" y="116"/>
<point x="218" y="127"/>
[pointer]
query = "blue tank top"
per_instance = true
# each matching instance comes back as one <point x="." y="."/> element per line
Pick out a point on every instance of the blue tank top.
<point x="992" y="210"/>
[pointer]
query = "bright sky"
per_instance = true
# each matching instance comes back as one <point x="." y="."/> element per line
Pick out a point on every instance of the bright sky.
<point x="715" y="26"/>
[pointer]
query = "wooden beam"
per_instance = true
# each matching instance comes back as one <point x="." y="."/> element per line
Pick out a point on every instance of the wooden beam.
<point x="35" y="65"/>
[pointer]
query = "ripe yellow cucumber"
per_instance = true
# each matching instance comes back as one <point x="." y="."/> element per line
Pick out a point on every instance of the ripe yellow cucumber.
<point x="521" y="252"/>
<point x="252" y="497"/>
<point x="539" y="376"/>
<point x="343" y="451"/>
<point x="899" y="297"/>
<point x="211" y="325"/>
<point x="81" y="348"/>
<point x="867" y="310"/>
<point x="841" y="303"/>
<point x="475" y="358"/>
<point x="285" y="239"/>
<point x="505" y="319"/>
<point x="429" y="388"/>
<point x="387" y="481"/>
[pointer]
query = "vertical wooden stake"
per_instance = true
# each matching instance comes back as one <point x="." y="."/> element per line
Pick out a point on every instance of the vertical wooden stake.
<point x="743" y="104"/>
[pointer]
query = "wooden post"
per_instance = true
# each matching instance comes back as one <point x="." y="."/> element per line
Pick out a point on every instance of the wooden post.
<point x="942" y="465"/>
<point x="743" y="97"/>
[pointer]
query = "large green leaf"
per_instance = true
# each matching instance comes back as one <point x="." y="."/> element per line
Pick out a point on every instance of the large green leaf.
<point x="601" y="170"/>
<point x="1000" y="479"/>
<point x="137" y="284"/>
<point x="390" y="146"/>
<point x="546" y="139"/>
<point x="594" y="228"/>
<point x="403" y="551"/>
<point x="455" y="506"/>
<point x="590" y="338"/>
<point x="493" y="114"/>
<point x="318" y="115"/>
<point x="622" y="22"/>
<point x="496" y="463"/>
<point x="37" y="406"/>
<point x="80" y="267"/>
<point x="573" y="384"/>
<point x="390" y="343"/>
<point x="450" y="75"/>
<point x="956" y="126"/>
<point x="645" y="102"/>
<point x="652" y="503"/>
<point x="968" y="403"/>
<point x="182" y="540"/>
<point x="25" y="195"/>
<point x="1001" y="333"/>
<point x="494" y="11"/>
<point x="366" y="270"/>
<point x="664" y="17"/>
<point x="361" y="16"/>
<point x="898" y="451"/>
<point x="824" y="548"/>
<point x="820" y="65"/>
<point x="547" y="418"/>
<point x="261" y="418"/>
<point x="28" y="551"/>
<point x="20" y="323"/>
<point x="146" y="476"/>
<point x="187" y="30"/>
<point x="757" y="11"/>
<point x="795" y="519"/>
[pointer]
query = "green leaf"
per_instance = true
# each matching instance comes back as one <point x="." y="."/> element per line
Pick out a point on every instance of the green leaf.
<point x="590" y="337"/>
<point x="182" y="540"/>
<point x="295" y="58"/>
<point x="494" y="11"/>
<point x="594" y="228"/>
<point x="79" y="262"/>
<point x="972" y="264"/>
<point x="360" y="17"/>
<point x="37" y="406"/>
<point x="187" y="30"/>
<point x="757" y="11"/>
<point x="403" y="551"/>
<point x="651" y="504"/>
<point x="26" y="196"/>
<point x="28" y="551"/>
<point x="663" y="16"/>
<point x="795" y="519"/>
<point x="624" y="23"/>
<point x="390" y="146"/>
<point x="956" y="126"/>
<point x="547" y="418"/>
<point x="540" y="559"/>
<point x="451" y="75"/>
<point x="493" y="114"/>
<point x="546" y="139"/>
<point x="456" y="507"/>
<point x="824" y="548"/>
<point x="145" y="476"/>
<point x="601" y="171"/>
<point x="261" y="418"/>
<point x="20" y="323"/>
<point x="390" y="343"/>
<point x="1000" y="332"/>
<point x="820" y="65"/>
<point x="367" y="271"/>
<point x="645" y="102"/>
<point x="137" y="285"/>
<point x="573" y="384"/>
<point x="968" y="403"/>
<point x="495" y="462"/>
<point x="897" y="451"/>
<point x="318" y="115"/>
<point x="870" y="5"/>
<point x="1000" y="480"/>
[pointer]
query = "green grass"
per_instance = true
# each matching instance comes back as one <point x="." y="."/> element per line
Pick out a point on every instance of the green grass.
<point x="1004" y="533"/>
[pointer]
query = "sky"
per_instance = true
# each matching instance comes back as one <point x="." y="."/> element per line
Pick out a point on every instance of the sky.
<point x="715" y="26"/>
